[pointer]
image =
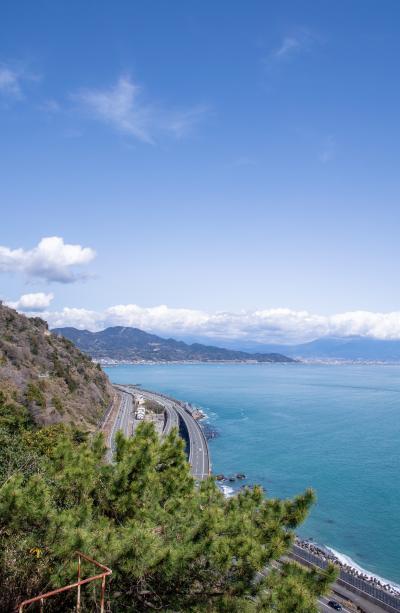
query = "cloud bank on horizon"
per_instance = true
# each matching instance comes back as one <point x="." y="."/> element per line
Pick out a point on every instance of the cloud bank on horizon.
<point x="279" y="325"/>
<point x="54" y="260"/>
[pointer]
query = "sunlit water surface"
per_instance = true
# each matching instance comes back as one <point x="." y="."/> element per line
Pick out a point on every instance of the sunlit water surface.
<point x="288" y="427"/>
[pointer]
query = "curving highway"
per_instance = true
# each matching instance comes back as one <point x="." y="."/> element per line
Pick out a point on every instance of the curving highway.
<point x="172" y="418"/>
<point x="199" y="457"/>
<point x="123" y="421"/>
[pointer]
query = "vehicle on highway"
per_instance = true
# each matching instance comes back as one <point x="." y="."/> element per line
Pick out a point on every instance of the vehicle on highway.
<point x="335" y="605"/>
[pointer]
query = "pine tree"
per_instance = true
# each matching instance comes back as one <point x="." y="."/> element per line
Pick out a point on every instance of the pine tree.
<point x="173" y="545"/>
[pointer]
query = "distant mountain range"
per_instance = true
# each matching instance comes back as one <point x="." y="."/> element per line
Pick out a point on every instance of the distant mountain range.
<point x="134" y="345"/>
<point x="353" y="348"/>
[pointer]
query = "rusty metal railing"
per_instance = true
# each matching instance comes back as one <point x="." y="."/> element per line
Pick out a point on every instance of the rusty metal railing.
<point x="42" y="597"/>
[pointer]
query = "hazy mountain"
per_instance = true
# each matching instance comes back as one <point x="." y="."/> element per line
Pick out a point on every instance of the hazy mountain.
<point x="48" y="374"/>
<point x="356" y="348"/>
<point x="132" y="344"/>
<point x="351" y="348"/>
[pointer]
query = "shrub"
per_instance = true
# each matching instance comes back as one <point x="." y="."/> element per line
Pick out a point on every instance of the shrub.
<point x="56" y="401"/>
<point x="172" y="545"/>
<point x="35" y="394"/>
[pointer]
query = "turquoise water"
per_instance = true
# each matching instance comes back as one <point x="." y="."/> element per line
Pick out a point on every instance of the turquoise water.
<point x="287" y="427"/>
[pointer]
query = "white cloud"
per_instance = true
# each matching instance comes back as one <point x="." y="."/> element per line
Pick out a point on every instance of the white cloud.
<point x="160" y="317"/>
<point x="269" y="325"/>
<point x="287" y="47"/>
<point x="77" y="318"/>
<point x="9" y="82"/>
<point x="119" y="107"/>
<point x="181" y="123"/>
<point x="123" y="108"/>
<point x="293" y="44"/>
<point x="12" y="78"/>
<point x="32" y="302"/>
<point x="50" y="260"/>
<point x="50" y="106"/>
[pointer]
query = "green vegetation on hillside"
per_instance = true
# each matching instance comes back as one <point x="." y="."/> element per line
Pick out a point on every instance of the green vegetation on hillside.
<point x="172" y="545"/>
<point x="153" y="406"/>
<point x="48" y="375"/>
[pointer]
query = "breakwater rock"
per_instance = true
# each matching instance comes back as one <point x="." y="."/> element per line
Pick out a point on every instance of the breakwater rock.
<point x="231" y="478"/>
<point x="210" y="432"/>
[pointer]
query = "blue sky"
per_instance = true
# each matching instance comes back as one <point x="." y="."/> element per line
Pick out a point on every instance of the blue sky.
<point x="236" y="162"/>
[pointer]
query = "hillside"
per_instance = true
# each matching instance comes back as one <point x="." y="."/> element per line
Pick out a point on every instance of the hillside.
<point x="48" y="374"/>
<point x="132" y="344"/>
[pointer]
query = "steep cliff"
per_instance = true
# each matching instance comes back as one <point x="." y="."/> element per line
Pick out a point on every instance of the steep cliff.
<point x="48" y="374"/>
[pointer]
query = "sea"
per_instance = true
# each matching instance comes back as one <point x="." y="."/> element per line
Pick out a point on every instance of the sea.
<point x="335" y="428"/>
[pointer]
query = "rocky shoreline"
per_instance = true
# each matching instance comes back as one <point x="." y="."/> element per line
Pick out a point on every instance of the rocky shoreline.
<point x="327" y="556"/>
<point x="238" y="476"/>
<point x="323" y="553"/>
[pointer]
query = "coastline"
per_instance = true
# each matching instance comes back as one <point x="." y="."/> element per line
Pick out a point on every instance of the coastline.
<point x="339" y="555"/>
<point x="109" y="362"/>
<point x="328" y="554"/>
<point x="324" y="552"/>
<point x="347" y="560"/>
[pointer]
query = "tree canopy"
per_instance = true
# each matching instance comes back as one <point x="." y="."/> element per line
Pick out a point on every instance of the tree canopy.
<point x="173" y="545"/>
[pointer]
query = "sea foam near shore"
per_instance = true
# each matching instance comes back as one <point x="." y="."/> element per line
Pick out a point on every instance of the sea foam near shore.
<point x="347" y="561"/>
<point x="328" y="554"/>
<point x="226" y="490"/>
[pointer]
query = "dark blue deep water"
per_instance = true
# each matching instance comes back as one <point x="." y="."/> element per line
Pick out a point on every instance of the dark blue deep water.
<point x="288" y="427"/>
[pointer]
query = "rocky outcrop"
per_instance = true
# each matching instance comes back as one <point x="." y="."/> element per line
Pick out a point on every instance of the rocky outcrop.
<point x="48" y="374"/>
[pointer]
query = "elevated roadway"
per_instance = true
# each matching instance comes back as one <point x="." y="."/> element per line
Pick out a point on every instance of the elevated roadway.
<point x="176" y="415"/>
<point x="123" y="421"/>
<point x="171" y="416"/>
